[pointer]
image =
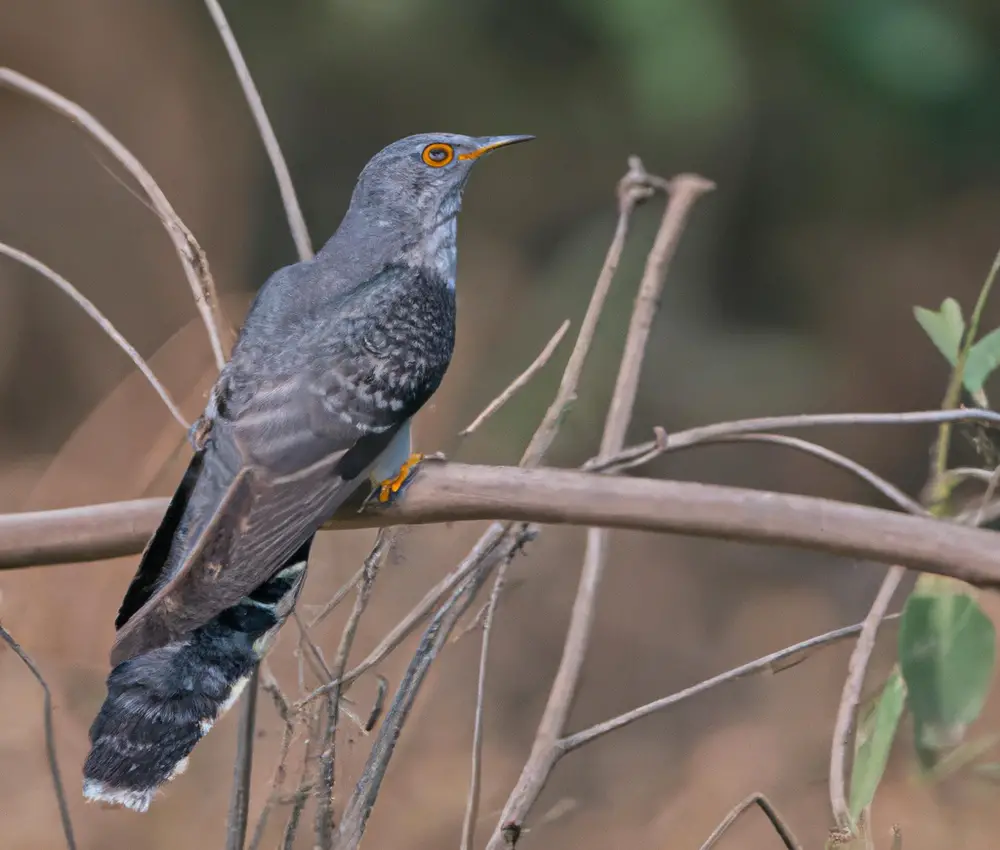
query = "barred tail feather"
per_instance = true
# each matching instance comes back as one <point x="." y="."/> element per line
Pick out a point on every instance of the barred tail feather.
<point x="160" y="704"/>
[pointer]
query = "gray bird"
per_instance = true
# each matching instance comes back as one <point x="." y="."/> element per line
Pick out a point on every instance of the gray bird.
<point x="335" y="357"/>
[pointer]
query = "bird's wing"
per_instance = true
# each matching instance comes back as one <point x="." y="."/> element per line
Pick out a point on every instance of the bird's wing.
<point x="268" y="476"/>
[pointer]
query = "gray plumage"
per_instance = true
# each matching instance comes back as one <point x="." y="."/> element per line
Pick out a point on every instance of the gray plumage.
<point x="335" y="357"/>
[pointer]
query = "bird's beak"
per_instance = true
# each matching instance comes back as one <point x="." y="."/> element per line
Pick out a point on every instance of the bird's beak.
<point x="491" y="143"/>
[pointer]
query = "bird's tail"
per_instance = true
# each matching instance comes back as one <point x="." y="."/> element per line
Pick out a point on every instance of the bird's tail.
<point x="160" y="704"/>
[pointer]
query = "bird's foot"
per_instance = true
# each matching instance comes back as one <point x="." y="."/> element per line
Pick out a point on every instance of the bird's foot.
<point x="391" y="487"/>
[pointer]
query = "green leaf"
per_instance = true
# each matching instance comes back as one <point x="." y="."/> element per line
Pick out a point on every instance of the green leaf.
<point x="983" y="359"/>
<point x="873" y="741"/>
<point x="947" y="651"/>
<point x="945" y="327"/>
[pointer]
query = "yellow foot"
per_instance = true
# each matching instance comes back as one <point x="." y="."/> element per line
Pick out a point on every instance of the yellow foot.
<point x="391" y="486"/>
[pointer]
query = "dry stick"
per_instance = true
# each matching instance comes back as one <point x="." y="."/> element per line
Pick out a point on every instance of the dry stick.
<point x="483" y="548"/>
<point x="784" y="833"/>
<point x="324" y="809"/>
<point x="453" y="492"/>
<point x="643" y="453"/>
<point x="193" y="259"/>
<point x="519" y="382"/>
<point x="270" y="686"/>
<point x="337" y="598"/>
<point x="684" y="191"/>
<point x="499" y="543"/>
<point x="50" y="736"/>
<point x="767" y="663"/>
<point x="239" y="801"/>
<point x="317" y="663"/>
<point x="293" y="212"/>
<point x="102" y="321"/>
<point x="472" y="801"/>
<point x="111" y="530"/>
<point x="851" y="696"/>
<point x="886" y="488"/>
<point x="359" y="807"/>
<point x="633" y="188"/>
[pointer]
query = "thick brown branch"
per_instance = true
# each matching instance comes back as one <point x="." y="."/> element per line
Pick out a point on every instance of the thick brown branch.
<point x="449" y="492"/>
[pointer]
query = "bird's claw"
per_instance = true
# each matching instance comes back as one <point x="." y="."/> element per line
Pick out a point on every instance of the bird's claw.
<point x="390" y="487"/>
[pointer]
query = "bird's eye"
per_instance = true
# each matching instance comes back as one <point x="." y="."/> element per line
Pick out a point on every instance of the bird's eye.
<point x="438" y="154"/>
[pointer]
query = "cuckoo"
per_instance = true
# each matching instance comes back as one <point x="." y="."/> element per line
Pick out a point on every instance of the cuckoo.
<point x="336" y="355"/>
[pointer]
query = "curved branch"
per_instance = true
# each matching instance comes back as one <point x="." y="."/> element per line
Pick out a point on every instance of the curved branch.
<point x="451" y="492"/>
<point x="886" y="488"/>
<point x="293" y="212"/>
<point x="643" y="453"/>
<point x="192" y="257"/>
<point x="105" y="324"/>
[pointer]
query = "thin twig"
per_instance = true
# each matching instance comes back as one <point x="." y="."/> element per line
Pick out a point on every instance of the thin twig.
<point x="886" y="488"/>
<point x="851" y="696"/>
<point x="359" y="807"/>
<point x="643" y="453"/>
<point x="684" y="191"/>
<point x="472" y="800"/>
<point x="633" y="188"/>
<point x="324" y="809"/>
<point x="337" y="598"/>
<point x="519" y="382"/>
<point x="758" y="799"/>
<point x="270" y="686"/>
<point x="50" y="736"/>
<point x="486" y="544"/>
<point x="102" y="321"/>
<point x="767" y="663"/>
<point x="293" y="212"/>
<point x="193" y="259"/>
<point x="239" y="799"/>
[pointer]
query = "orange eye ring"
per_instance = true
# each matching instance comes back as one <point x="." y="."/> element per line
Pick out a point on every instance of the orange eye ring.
<point x="438" y="155"/>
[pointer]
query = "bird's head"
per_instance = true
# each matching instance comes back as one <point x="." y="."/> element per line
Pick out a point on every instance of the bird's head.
<point x="416" y="183"/>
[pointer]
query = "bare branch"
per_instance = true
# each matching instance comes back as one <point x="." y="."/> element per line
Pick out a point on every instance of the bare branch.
<point x="472" y="802"/>
<point x="337" y="598"/>
<point x="103" y="322"/>
<point x="451" y="492"/>
<point x="684" y="191"/>
<point x="486" y="545"/>
<point x="293" y="212"/>
<point x="193" y="259"/>
<point x="633" y="188"/>
<point x="359" y="807"/>
<point x="324" y="810"/>
<point x="758" y="799"/>
<point x="886" y="488"/>
<point x="239" y="800"/>
<point x="643" y="453"/>
<point x="519" y="382"/>
<point x="270" y="686"/>
<point x="851" y="696"/>
<point x="50" y="736"/>
<point x="765" y="664"/>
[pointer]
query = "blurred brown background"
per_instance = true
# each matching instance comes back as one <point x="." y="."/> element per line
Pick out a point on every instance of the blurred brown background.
<point x="854" y="143"/>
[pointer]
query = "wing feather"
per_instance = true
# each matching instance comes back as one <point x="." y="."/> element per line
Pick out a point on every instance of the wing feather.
<point x="295" y="425"/>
